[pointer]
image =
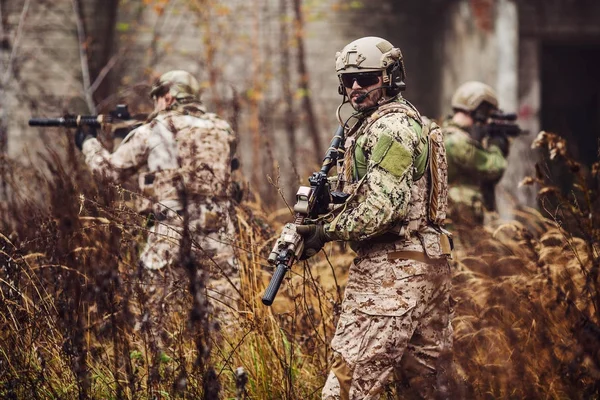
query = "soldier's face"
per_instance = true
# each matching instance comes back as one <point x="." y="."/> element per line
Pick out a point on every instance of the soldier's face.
<point x="362" y="89"/>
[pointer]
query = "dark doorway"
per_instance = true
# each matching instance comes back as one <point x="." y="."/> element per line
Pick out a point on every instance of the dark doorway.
<point x="571" y="96"/>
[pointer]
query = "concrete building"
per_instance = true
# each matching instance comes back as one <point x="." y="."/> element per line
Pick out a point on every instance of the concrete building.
<point x="539" y="55"/>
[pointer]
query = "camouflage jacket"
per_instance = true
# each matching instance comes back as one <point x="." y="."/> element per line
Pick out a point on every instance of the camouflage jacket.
<point x="470" y="164"/>
<point x="378" y="174"/>
<point x="183" y="150"/>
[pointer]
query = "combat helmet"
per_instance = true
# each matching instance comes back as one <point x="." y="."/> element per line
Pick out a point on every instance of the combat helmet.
<point x="470" y="95"/>
<point x="180" y="84"/>
<point x="370" y="54"/>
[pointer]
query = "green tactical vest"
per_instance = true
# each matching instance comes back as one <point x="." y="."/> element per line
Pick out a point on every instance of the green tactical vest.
<point x="359" y="169"/>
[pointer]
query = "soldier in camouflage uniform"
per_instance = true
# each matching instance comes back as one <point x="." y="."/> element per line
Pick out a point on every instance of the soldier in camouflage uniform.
<point x="395" y="318"/>
<point x="476" y="162"/>
<point x="182" y="155"/>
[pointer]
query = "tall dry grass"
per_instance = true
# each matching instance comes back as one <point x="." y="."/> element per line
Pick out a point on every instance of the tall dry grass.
<point x="526" y="315"/>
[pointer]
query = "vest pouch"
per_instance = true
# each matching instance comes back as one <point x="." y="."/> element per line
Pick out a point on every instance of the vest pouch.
<point x="432" y="246"/>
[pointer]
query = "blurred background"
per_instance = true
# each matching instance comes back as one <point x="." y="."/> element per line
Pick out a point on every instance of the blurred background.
<point x="527" y="316"/>
<point x="268" y="68"/>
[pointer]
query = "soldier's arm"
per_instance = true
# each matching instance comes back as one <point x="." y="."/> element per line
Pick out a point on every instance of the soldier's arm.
<point x="385" y="192"/>
<point x="489" y="164"/>
<point x="126" y="160"/>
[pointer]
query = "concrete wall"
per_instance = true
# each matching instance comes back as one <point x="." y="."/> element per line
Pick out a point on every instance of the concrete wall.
<point x="42" y="62"/>
<point x="235" y="49"/>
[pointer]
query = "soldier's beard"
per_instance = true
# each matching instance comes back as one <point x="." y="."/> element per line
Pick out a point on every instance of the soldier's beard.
<point x="371" y="99"/>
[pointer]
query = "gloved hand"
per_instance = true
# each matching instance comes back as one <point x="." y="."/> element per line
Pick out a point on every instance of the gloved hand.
<point x="83" y="134"/>
<point x="501" y="142"/>
<point x="314" y="237"/>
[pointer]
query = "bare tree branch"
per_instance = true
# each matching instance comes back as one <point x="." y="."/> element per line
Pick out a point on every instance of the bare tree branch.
<point x="85" y="68"/>
<point x="15" y="45"/>
<point x="6" y="75"/>
<point x="2" y="38"/>
<point x="105" y="70"/>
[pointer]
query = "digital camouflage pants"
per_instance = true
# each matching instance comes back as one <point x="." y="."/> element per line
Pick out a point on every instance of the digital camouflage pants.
<point x="213" y="244"/>
<point x="163" y="284"/>
<point x="395" y="324"/>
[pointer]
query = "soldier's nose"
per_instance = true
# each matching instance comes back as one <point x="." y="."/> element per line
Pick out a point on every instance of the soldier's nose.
<point x="355" y="85"/>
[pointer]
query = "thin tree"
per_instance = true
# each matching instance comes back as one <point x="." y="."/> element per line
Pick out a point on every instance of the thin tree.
<point x="313" y="128"/>
<point x="289" y="119"/>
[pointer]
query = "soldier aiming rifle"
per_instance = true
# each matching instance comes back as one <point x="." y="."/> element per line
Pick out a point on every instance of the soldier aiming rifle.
<point x="477" y="137"/>
<point x="182" y="156"/>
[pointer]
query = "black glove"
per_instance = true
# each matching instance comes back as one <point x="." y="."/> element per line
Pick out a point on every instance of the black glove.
<point x="499" y="141"/>
<point x="314" y="239"/>
<point x="83" y="133"/>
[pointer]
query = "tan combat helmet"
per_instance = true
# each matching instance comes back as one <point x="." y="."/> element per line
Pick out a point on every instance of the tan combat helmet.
<point x="373" y="54"/>
<point x="180" y="84"/>
<point x="470" y="95"/>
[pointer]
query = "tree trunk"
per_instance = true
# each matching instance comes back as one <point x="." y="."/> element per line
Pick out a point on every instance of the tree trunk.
<point x="313" y="129"/>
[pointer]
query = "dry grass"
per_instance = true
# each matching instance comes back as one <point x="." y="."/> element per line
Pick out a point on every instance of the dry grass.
<point x="526" y="323"/>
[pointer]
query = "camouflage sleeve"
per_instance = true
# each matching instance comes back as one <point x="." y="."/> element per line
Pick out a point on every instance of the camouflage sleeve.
<point x="383" y="197"/>
<point x="126" y="160"/>
<point x="468" y="156"/>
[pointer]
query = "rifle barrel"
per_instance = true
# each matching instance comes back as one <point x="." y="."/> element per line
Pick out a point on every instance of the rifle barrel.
<point x="69" y="121"/>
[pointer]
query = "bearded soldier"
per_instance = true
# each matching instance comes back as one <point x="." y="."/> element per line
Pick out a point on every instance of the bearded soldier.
<point x="183" y="156"/>
<point x="476" y="161"/>
<point x="396" y="311"/>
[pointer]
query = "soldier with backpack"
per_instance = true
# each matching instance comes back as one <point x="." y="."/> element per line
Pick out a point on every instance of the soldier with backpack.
<point x="182" y="157"/>
<point x="396" y="312"/>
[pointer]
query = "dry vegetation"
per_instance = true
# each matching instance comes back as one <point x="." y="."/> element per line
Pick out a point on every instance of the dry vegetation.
<point x="527" y="300"/>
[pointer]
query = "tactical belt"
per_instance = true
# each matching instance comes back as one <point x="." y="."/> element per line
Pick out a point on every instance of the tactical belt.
<point x="446" y="247"/>
<point x="419" y="256"/>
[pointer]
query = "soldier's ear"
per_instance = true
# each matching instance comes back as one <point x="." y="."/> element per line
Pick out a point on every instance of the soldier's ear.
<point x="169" y="99"/>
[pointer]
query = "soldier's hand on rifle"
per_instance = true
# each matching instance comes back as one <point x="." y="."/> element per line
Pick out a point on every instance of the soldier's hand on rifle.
<point x="84" y="133"/>
<point x="500" y="141"/>
<point x="314" y="237"/>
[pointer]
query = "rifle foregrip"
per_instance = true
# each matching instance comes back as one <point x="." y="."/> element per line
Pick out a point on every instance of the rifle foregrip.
<point x="273" y="287"/>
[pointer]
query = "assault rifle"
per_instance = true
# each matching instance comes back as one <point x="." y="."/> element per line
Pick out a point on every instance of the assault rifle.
<point x="310" y="202"/>
<point x="501" y="124"/>
<point x="120" y="119"/>
<point x="499" y="128"/>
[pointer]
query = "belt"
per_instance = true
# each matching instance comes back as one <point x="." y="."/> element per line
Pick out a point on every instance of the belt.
<point x="419" y="256"/>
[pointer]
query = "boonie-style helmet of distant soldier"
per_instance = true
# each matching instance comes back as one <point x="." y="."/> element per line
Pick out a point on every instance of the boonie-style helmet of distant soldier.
<point x="473" y="96"/>
<point x="179" y="84"/>
<point x="367" y="55"/>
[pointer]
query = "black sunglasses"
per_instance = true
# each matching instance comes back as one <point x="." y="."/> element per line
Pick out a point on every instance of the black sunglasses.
<point x="364" y="79"/>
